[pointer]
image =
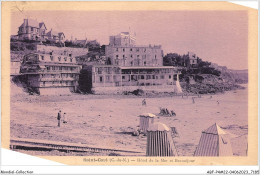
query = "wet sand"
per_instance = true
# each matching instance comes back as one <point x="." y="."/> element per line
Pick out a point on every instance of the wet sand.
<point x="103" y="120"/>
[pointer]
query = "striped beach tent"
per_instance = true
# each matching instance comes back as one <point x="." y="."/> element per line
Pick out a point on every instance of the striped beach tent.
<point x="159" y="141"/>
<point x="145" y="121"/>
<point x="214" y="142"/>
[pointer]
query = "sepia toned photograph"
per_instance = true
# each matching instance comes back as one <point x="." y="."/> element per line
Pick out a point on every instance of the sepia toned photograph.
<point x="129" y="83"/>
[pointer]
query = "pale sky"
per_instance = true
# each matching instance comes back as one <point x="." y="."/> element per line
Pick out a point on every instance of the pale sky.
<point x="217" y="36"/>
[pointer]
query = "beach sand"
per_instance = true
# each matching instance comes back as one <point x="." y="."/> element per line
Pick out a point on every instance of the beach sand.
<point x="103" y="120"/>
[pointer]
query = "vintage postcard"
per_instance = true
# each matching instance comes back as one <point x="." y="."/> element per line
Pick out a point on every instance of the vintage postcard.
<point x="130" y="83"/>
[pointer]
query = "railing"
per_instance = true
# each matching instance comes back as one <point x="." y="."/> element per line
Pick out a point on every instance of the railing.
<point x="58" y="79"/>
<point x="65" y="146"/>
<point x="49" y="71"/>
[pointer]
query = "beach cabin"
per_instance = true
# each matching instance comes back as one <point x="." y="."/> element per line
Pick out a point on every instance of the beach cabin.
<point x="159" y="141"/>
<point x="145" y="121"/>
<point x="214" y="142"/>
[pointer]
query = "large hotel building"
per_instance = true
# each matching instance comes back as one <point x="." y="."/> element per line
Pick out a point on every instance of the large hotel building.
<point x="130" y="67"/>
<point x="52" y="70"/>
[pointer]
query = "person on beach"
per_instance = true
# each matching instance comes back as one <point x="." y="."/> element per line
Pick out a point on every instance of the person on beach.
<point x="144" y="102"/>
<point x="64" y="118"/>
<point x="58" y="118"/>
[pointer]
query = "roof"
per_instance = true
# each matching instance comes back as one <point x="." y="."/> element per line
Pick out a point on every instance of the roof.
<point x="214" y="129"/>
<point x="147" y="115"/>
<point x="158" y="127"/>
<point x="52" y="33"/>
<point x="31" y="23"/>
<point x="61" y="33"/>
<point x="42" y="24"/>
<point x="214" y="142"/>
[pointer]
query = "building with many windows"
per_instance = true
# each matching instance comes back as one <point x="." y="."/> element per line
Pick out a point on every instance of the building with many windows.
<point x="130" y="67"/>
<point x="51" y="73"/>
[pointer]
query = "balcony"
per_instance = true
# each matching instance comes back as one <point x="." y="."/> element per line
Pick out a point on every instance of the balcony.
<point x="49" y="71"/>
<point x="58" y="79"/>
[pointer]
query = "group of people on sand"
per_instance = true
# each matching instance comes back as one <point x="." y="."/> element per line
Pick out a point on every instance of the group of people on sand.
<point x="61" y="118"/>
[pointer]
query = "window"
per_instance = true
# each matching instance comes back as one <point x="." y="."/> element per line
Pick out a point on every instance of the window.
<point x="153" y="76"/>
<point x="70" y="59"/>
<point x="100" y="79"/>
<point x="123" y="56"/>
<point x="137" y="50"/>
<point x="155" y="56"/>
<point x="131" y="56"/>
<point x="162" y="76"/>
<point x="123" y="77"/>
<point x="131" y="63"/>
<point x="51" y="58"/>
<point x="123" y="49"/>
<point x="42" y="57"/>
<point x="142" y="77"/>
<point x="131" y="49"/>
<point x="117" y="49"/>
<point x="31" y="29"/>
<point x="43" y="83"/>
<point x="144" y="50"/>
<point x="107" y="78"/>
<point x="144" y="63"/>
<point x="59" y="58"/>
<point x="65" y="58"/>
<point x="170" y="77"/>
<point x="116" y="56"/>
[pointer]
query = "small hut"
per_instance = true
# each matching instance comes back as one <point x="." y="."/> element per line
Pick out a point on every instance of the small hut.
<point x="145" y="121"/>
<point x="159" y="141"/>
<point x="214" y="142"/>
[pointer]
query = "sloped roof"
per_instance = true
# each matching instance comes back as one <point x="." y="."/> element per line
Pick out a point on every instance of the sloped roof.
<point x="61" y="33"/>
<point x="31" y="23"/>
<point x="214" y="129"/>
<point x="52" y="33"/>
<point x="42" y="24"/>
<point x="214" y="142"/>
<point x="158" y="127"/>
